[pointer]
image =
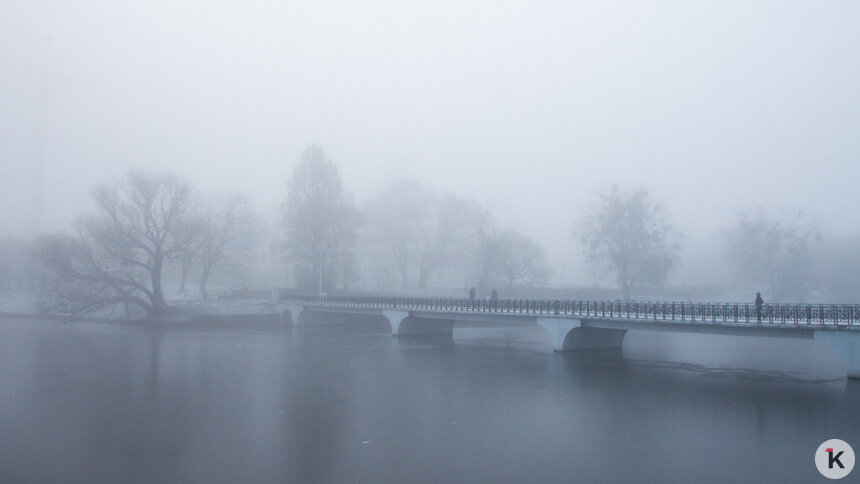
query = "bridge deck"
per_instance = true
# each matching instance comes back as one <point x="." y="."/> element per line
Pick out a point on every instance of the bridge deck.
<point x="609" y="314"/>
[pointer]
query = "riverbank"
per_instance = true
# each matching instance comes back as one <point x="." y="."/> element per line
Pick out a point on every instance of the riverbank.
<point x="183" y="312"/>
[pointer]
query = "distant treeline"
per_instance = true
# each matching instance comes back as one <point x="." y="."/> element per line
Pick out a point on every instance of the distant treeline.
<point x="150" y="234"/>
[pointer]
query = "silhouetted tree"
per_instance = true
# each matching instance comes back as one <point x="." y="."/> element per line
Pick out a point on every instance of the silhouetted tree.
<point x="449" y="233"/>
<point x="773" y="253"/>
<point x="116" y="256"/>
<point x="190" y="228"/>
<point x="227" y="234"/>
<point x="320" y="219"/>
<point x="839" y="268"/>
<point x="397" y="220"/>
<point x="511" y="259"/>
<point x="18" y="269"/>
<point x="629" y="234"/>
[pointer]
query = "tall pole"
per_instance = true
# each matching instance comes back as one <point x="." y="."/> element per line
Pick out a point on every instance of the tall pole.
<point x="320" y="271"/>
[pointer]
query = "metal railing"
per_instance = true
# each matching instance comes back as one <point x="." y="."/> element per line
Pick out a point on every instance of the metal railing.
<point x="704" y="313"/>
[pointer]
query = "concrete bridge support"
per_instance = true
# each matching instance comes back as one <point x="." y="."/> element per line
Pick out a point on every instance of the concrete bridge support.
<point x="568" y="334"/>
<point x="593" y="338"/>
<point x="558" y="328"/>
<point x="402" y="324"/>
<point x="395" y="318"/>
<point x="847" y="344"/>
<point x="413" y="326"/>
<point x="290" y="314"/>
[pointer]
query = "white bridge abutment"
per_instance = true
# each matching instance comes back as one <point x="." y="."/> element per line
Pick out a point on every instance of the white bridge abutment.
<point x="593" y="339"/>
<point x="558" y="328"/>
<point x="566" y="334"/>
<point x="291" y="314"/>
<point x="847" y="344"/>
<point x="395" y="319"/>
<point x="404" y="324"/>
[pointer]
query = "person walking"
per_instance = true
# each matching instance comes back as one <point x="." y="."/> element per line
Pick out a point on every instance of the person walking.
<point x="759" y="302"/>
<point x="472" y="293"/>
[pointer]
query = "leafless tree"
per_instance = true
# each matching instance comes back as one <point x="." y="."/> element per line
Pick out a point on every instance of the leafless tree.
<point x="191" y="229"/>
<point x="449" y="234"/>
<point x="629" y="234"/>
<point x="227" y="234"/>
<point x="773" y="252"/>
<point x="396" y="219"/>
<point x="512" y="259"/>
<point x="321" y="220"/>
<point x="117" y="255"/>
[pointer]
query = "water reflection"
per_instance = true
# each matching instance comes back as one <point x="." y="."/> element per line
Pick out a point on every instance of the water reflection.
<point x="346" y="403"/>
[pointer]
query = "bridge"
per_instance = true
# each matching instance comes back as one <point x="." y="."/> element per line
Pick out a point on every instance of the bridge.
<point x="573" y="324"/>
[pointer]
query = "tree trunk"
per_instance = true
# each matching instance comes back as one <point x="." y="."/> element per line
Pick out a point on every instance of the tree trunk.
<point x="159" y="306"/>
<point x="404" y="275"/>
<point x="423" y="275"/>
<point x="203" y="280"/>
<point x="625" y="289"/>
<point x="185" y="265"/>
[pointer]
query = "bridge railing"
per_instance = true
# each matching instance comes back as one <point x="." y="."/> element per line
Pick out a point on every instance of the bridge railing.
<point x="717" y="313"/>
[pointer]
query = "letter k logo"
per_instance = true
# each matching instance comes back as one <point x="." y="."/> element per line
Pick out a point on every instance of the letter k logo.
<point x="831" y="459"/>
<point x="834" y="459"/>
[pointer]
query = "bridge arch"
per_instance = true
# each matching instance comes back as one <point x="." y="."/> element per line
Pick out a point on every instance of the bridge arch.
<point x="593" y="338"/>
<point x="567" y="334"/>
<point x="412" y="326"/>
<point x="291" y="315"/>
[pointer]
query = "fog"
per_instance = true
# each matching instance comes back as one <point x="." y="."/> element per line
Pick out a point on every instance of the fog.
<point x="529" y="109"/>
<point x="440" y="241"/>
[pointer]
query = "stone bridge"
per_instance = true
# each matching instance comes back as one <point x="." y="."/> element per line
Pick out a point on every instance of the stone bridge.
<point x="572" y="325"/>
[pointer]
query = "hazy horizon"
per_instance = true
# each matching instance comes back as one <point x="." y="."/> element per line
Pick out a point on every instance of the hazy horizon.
<point x="530" y="110"/>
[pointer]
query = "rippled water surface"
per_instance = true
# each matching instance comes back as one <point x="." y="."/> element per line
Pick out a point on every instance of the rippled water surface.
<point x="350" y="403"/>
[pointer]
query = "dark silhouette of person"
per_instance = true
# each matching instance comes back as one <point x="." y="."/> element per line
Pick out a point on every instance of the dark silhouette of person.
<point x="759" y="302"/>
<point x="472" y="293"/>
<point x="494" y="295"/>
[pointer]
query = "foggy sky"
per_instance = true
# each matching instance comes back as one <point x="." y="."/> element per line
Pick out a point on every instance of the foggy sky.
<point x="530" y="107"/>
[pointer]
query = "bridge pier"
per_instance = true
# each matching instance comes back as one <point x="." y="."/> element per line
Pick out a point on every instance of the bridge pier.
<point x="594" y="338"/>
<point x="567" y="334"/>
<point x="395" y="317"/>
<point x="558" y="328"/>
<point x="291" y="313"/>
<point x="847" y="344"/>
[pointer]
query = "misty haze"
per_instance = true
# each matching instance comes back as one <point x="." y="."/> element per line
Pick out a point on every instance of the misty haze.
<point x="429" y="242"/>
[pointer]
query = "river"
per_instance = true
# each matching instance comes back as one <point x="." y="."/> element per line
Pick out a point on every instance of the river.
<point x="89" y="402"/>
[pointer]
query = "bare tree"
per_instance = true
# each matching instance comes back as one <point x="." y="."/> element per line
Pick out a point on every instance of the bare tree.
<point x="629" y="234"/>
<point x="191" y="229"/>
<point x="512" y="259"/>
<point x="449" y="234"/>
<point x="117" y="255"/>
<point x="772" y="252"/>
<point x="18" y="269"/>
<point x="226" y="236"/>
<point x="839" y="267"/>
<point x="396" y="219"/>
<point x="320" y="221"/>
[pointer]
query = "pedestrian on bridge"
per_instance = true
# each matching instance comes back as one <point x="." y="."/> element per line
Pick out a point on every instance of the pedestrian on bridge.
<point x="494" y="295"/>
<point x="759" y="302"/>
<point x="472" y="293"/>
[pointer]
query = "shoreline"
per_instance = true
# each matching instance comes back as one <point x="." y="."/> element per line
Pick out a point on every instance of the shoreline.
<point x="271" y="319"/>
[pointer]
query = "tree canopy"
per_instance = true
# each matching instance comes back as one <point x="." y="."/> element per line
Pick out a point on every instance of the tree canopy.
<point x="773" y="253"/>
<point x="628" y="233"/>
<point x="320" y="221"/>
<point x="117" y="254"/>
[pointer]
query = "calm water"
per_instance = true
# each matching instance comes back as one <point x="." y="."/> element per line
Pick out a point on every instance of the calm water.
<point x="101" y="403"/>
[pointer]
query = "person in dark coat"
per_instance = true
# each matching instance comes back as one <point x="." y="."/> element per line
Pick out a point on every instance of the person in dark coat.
<point x="472" y="293"/>
<point x="759" y="302"/>
<point x="494" y="295"/>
